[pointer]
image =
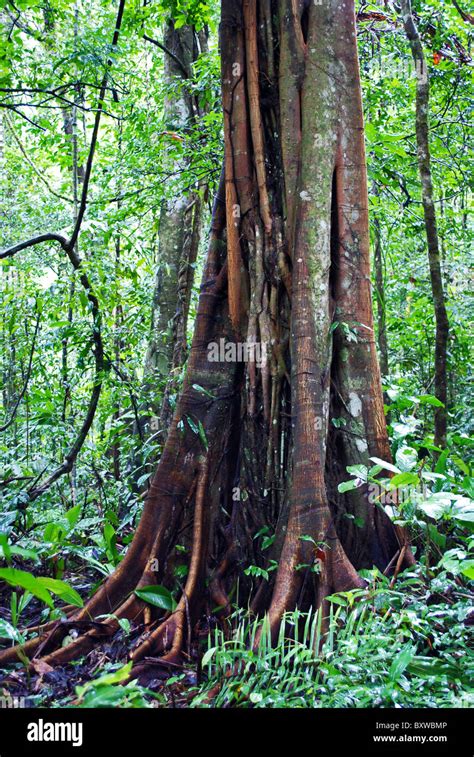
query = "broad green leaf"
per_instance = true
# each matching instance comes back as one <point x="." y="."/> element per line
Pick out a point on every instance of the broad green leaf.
<point x="428" y="399"/>
<point x="73" y="515"/>
<point x="208" y="655"/>
<point x="69" y="595"/>
<point x="26" y="581"/>
<point x="335" y="599"/>
<point x="347" y="486"/>
<point x="158" y="596"/>
<point x="360" y="471"/>
<point x="467" y="569"/>
<point x="406" y="458"/>
<point x="118" y="676"/>
<point x="403" y="479"/>
<point x="385" y="465"/>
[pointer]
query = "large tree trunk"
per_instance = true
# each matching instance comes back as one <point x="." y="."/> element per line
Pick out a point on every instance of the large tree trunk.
<point x="429" y="212"/>
<point x="251" y="444"/>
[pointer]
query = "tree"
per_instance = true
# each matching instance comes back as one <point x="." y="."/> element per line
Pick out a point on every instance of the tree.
<point x="431" y="226"/>
<point x="258" y="448"/>
<point x="180" y="227"/>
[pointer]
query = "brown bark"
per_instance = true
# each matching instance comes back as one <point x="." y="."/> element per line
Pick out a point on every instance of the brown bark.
<point x="267" y="455"/>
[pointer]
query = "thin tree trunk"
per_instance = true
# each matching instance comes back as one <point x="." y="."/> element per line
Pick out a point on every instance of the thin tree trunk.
<point x="179" y="235"/>
<point x="427" y="195"/>
<point x="77" y="176"/>
<point x="380" y="295"/>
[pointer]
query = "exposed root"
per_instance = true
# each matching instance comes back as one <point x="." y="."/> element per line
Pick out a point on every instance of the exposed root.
<point x="256" y="127"/>
<point x="217" y="589"/>
<point x="167" y="639"/>
<point x="131" y="609"/>
<point x="170" y="634"/>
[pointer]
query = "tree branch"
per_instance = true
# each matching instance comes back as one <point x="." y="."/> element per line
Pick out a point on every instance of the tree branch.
<point x="168" y="52"/>
<point x="465" y="16"/>
<point x="95" y="131"/>
<point x="27" y="379"/>
<point x="68" y="245"/>
<point x="31" y="164"/>
<point x="48" y="237"/>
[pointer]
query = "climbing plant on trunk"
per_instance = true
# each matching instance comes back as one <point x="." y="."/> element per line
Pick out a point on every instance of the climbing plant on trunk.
<point x="247" y="489"/>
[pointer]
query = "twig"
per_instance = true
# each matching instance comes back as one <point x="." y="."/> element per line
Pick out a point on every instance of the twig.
<point x="27" y="379"/>
<point x="398" y="565"/>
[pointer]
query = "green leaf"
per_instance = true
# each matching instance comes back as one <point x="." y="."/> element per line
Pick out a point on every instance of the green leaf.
<point x="403" y="479"/>
<point x="106" y="680"/>
<point x="202" y="435"/>
<point x="360" y="471"/>
<point x="385" y="465"/>
<point x="347" y="486"/>
<point x="442" y="460"/>
<point x="334" y="599"/>
<point x="201" y="390"/>
<point x="103" y="696"/>
<point x="461" y="464"/>
<point x="158" y="596"/>
<point x="400" y="663"/>
<point x="125" y="625"/>
<point x="428" y="399"/>
<point x="406" y="458"/>
<point x="192" y="425"/>
<point x="207" y="657"/>
<point x="427" y="667"/>
<point x="7" y="550"/>
<point x="433" y="508"/>
<point x="26" y="581"/>
<point x="65" y="592"/>
<point x="110" y="539"/>
<point x="7" y="631"/>
<point x="73" y="515"/>
<point x="467" y="569"/>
